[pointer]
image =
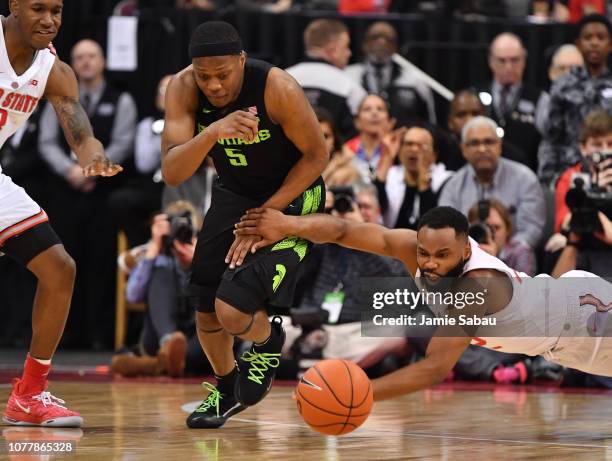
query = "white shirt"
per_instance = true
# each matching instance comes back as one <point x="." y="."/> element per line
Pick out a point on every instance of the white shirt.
<point x="20" y="94"/>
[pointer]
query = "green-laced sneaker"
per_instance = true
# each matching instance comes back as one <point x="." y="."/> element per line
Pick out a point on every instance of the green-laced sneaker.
<point x="258" y="366"/>
<point x="215" y="410"/>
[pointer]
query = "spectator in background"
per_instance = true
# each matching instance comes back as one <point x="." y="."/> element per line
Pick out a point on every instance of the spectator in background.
<point x="502" y="245"/>
<point x="85" y="226"/>
<point x="576" y="94"/>
<point x="408" y="97"/>
<point x="564" y="58"/>
<point x="326" y="43"/>
<point x="159" y="279"/>
<point x="548" y="10"/>
<point x="509" y="101"/>
<point x="340" y="170"/>
<point x="135" y="202"/>
<point x="465" y="106"/>
<point x="595" y="251"/>
<point x="366" y="198"/>
<point x="487" y="176"/>
<point x="373" y="122"/>
<point x="409" y="190"/>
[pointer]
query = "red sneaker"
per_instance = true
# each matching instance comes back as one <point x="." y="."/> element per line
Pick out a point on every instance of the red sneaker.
<point x="42" y="409"/>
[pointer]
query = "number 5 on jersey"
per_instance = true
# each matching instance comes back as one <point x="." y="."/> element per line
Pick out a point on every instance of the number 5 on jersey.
<point x="236" y="158"/>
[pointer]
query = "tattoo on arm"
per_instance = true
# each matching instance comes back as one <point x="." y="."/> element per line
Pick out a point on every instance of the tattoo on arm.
<point x="73" y="119"/>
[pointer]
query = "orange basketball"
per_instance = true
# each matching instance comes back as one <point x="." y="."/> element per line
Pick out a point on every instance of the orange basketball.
<point x="334" y="397"/>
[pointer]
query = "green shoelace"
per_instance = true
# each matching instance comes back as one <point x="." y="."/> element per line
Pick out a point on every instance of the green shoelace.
<point x="213" y="399"/>
<point x="259" y="364"/>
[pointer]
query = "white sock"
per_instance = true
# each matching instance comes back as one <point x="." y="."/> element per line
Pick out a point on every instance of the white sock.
<point x="42" y="362"/>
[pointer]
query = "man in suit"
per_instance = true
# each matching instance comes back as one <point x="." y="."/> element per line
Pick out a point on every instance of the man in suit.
<point x="509" y="101"/>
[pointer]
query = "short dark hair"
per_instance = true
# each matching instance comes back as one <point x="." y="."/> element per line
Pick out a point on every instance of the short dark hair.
<point x="443" y="217"/>
<point x="591" y="18"/>
<point x="597" y="123"/>
<point x="214" y="33"/>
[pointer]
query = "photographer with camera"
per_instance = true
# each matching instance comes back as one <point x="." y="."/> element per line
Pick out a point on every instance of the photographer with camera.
<point x="491" y="226"/>
<point x="584" y="202"/>
<point x="159" y="279"/>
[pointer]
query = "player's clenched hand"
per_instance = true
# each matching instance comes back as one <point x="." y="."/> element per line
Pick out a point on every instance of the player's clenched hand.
<point x="240" y="124"/>
<point x="267" y="223"/>
<point x="240" y="248"/>
<point x="101" y="166"/>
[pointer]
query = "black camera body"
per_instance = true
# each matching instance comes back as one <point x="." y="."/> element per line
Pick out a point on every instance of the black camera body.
<point x="584" y="203"/>
<point x="344" y="197"/>
<point x="309" y="318"/>
<point x="480" y="231"/>
<point x="181" y="229"/>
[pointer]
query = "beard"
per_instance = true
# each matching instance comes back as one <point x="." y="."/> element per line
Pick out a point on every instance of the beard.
<point x="445" y="282"/>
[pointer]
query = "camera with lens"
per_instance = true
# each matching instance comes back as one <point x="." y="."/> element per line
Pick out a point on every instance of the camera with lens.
<point x="480" y="231"/>
<point x="309" y="318"/>
<point x="344" y="197"/>
<point x="585" y="199"/>
<point x="181" y="229"/>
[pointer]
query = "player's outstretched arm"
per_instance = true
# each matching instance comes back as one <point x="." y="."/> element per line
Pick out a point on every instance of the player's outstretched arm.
<point x="440" y="358"/>
<point x="273" y="225"/>
<point x="287" y="105"/>
<point x="62" y="91"/>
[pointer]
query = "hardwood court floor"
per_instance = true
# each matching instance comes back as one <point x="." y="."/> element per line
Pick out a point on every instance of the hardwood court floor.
<point x="144" y="421"/>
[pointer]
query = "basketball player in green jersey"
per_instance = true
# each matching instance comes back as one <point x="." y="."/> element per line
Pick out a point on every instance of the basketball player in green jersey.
<point x="255" y="122"/>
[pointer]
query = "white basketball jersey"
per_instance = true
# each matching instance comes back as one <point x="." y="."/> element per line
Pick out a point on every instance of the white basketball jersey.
<point x="518" y="324"/>
<point x="19" y="94"/>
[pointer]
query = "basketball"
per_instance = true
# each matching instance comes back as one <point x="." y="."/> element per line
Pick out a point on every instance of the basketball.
<point x="334" y="397"/>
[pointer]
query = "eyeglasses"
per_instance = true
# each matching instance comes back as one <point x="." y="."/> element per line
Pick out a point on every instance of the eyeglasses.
<point x="476" y="143"/>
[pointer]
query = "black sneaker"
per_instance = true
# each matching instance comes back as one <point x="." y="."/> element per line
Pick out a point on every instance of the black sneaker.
<point x="215" y="410"/>
<point x="258" y="366"/>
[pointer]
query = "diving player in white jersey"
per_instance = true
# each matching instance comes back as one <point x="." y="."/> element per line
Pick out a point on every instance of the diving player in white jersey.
<point x="551" y="317"/>
<point x="29" y="72"/>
